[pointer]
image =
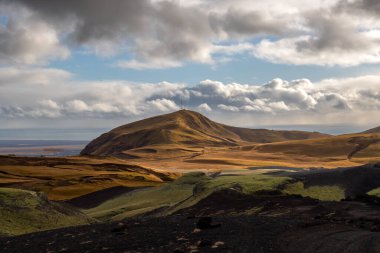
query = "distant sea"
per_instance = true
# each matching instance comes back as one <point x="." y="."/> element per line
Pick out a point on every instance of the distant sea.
<point x="51" y="134"/>
<point x="46" y="142"/>
<point x="41" y="147"/>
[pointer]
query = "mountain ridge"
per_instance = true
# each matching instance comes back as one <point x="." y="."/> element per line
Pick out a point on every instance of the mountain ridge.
<point x="375" y="130"/>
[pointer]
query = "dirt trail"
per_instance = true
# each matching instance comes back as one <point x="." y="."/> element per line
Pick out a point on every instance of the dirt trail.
<point x="361" y="145"/>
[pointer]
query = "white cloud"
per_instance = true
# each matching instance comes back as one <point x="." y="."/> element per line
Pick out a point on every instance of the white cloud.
<point x="105" y="108"/>
<point x="204" y="107"/>
<point x="278" y="101"/>
<point x="43" y="109"/>
<point x="77" y="106"/>
<point x="229" y="108"/>
<point x="31" y="76"/>
<point x="163" y="105"/>
<point x="49" y="104"/>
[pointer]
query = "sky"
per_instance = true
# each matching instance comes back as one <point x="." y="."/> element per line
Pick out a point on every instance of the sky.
<point x="101" y="63"/>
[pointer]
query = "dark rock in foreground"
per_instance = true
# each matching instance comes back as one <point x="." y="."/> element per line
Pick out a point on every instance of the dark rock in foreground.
<point x="285" y="224"/>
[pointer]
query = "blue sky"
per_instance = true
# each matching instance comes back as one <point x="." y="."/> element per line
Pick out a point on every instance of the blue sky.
<point x="242" y="69"/>
<point x="99" y="64"/>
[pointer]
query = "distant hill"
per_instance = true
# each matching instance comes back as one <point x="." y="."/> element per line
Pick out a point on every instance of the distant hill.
<point x="375" y="130"/>
<point x="364" y="145"/>
<point x="185" y="129"/>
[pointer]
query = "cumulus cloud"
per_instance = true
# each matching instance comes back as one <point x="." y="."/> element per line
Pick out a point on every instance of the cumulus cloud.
<point x="41" y="109"/>
<point x="167" y="34"/>
<point x="26" y="40"/>
<point x="229" y="108"/>
<point x="204" y="107"/>
<point x="334" y="40"/>
<point x="279" y="101"/>
<point x="163" y="104"/>
<point x="240" y="23"/>
<point x="77" y="106"/>
<point x="31" y="76"/>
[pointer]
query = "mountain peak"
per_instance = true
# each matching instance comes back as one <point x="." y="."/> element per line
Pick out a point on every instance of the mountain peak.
<point x="184" y="113"/>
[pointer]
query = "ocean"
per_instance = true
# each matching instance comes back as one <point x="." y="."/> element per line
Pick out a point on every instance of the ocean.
<point x="46" y="142"/>
<point x="83" y="134"/>
<point x="41" y="147"/>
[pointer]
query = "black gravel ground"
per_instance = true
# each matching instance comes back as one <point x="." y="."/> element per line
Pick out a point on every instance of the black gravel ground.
<point x="221" y="223"/>
<point x="169" y="234"/>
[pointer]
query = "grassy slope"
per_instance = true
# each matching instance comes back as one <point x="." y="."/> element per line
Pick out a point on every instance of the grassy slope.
<point x="370" y="154"/>
<point x="336" y="151"/>
<point x="325" y="193"/>
<point x="66" y="178"/>
<point x="25" y="211"/>
<point x="326" y="185"/>
<point x="249" y="184"/>
<point x="142" y="201"/>
<point x="337" y="147"/>
<point x="179" y="194"/>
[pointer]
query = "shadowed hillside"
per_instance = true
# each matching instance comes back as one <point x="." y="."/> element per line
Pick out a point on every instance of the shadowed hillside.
<point x="375" y="130"/>
<point x="185" y="129"/>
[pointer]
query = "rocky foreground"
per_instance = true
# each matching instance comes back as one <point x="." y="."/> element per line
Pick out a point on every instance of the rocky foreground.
<point x="251" y="224"/>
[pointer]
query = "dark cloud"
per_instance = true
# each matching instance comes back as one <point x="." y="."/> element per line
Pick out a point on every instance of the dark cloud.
<point x="333" y="33"/>
<point x="359" y="6"/>
<point x="157" y="33"/>
<point x="25" y="40"/>
<point x="169" y="33"/>
<point x="150" y="30"/>
<point x="238" y="23"/>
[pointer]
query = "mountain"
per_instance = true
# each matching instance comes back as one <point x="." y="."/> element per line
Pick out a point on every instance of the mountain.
<point x="375" y="130"/>
<point x="183" y="129"/>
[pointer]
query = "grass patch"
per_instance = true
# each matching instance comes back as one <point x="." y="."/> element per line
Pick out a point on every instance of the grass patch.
<point x="25" y="212"/>
<point x="249" y="183"/>
<point x="324" y="193"/>
<point x="145" y="200"/>
<point x="374" y="192"/>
